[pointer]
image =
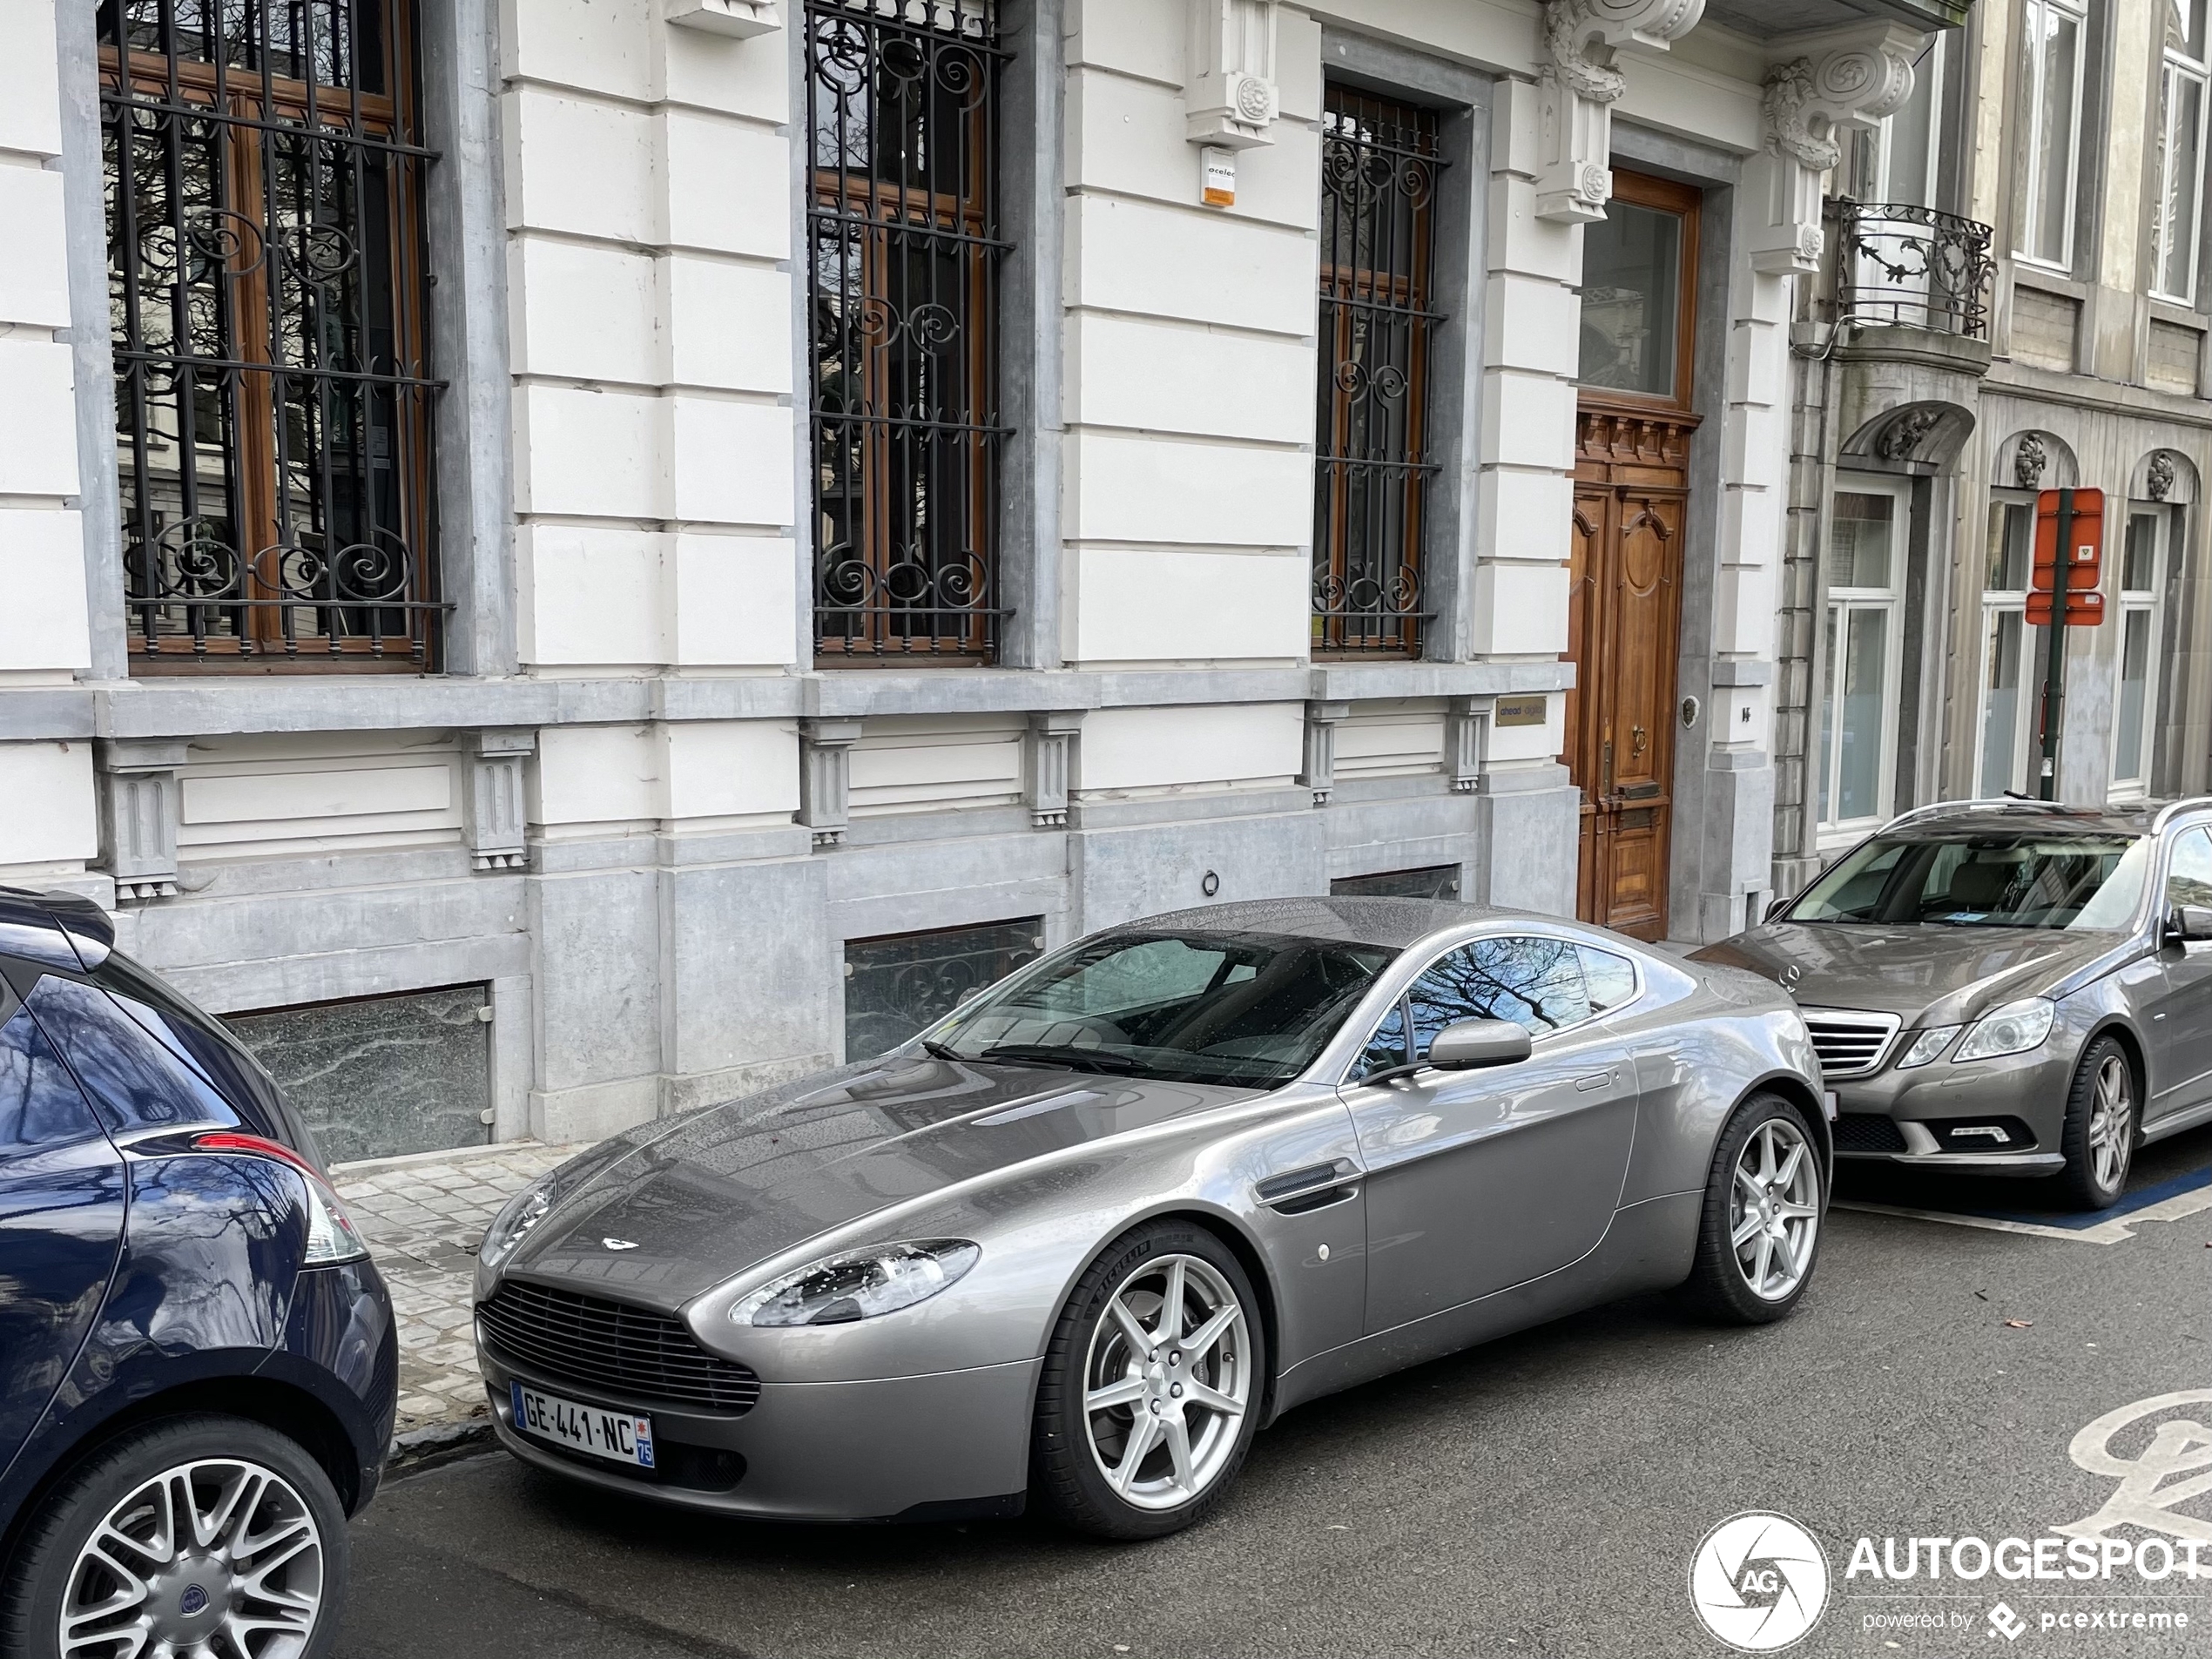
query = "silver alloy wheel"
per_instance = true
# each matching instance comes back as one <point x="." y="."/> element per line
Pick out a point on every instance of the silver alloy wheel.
<point x="2111" y="1111"/>
<point x="1167" y="1381"/>
<point x="1774" y="1211"/>
<point x="215" y="1559"/>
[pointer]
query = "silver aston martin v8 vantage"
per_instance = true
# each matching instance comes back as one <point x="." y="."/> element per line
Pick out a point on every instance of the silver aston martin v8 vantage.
<point x="1083" y="1237"/>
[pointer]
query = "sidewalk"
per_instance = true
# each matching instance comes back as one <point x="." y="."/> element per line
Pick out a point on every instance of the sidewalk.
<point x="422" y="1217"/>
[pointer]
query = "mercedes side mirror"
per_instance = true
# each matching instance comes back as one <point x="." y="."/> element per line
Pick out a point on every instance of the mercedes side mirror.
<point x="2187" y="924"/>
<point x="1774" y="910"/>
<point x="1467" y="1044"/>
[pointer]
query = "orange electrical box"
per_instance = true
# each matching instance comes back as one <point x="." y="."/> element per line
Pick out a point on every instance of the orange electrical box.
<point x="2081" y="559"/>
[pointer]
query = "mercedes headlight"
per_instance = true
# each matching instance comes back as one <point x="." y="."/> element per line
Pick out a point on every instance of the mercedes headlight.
<point x="523" y="1212"/>
<point x="1926" y="1046"/>
<point x="860" y="1284"/>
<point x="2014" y="1029"/>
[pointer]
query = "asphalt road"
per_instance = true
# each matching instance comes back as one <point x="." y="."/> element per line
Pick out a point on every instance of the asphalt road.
<point x="1543" y="1495"/>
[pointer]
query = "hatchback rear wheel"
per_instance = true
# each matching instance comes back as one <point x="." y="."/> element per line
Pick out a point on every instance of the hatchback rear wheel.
<point x="195" y="1535"/>
<point x="2098" y="1136"/>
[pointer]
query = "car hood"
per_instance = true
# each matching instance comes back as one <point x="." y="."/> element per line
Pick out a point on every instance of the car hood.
<point x="691" y="1204"/>
<point x="1944" y="974"/>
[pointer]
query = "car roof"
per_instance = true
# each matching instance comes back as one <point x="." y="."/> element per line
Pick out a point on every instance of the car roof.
<point x="2028" y="818"/>
<point x="54" y="929"/>
<point x="1393" y="923"/>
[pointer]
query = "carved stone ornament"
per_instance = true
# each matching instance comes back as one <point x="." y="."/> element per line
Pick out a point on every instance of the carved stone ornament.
<point x="1901" y="439"/>
<point x="1577" y="86"/>
<point x="2029" y="458"/>
<point x="1229" y="94"/>
<point x="1838" y="81"/>
<point x="2158" y="479"/>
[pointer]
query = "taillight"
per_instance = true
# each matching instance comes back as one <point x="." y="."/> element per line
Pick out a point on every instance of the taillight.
<point x="331" y="1234"/>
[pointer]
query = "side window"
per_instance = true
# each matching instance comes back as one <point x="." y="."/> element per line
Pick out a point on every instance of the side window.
<point x="2189" y="880"/>
<point x="135" y="1082"/>
<point x="1535" y="982"/>
<point x="39" y="1102"/>
<point x="1611" y="980"/>
<point x="1387" y="1047"/>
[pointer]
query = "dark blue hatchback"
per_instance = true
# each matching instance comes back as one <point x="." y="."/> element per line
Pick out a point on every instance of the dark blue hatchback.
<point x="198" y="1363"/>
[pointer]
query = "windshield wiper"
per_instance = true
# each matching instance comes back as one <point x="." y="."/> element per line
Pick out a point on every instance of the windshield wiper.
<point x="937" y="1050"/>
<point x="1073" y="1059"/>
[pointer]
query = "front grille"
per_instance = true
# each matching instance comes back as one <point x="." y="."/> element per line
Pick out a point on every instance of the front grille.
<point x="631" y="1353"/>
<point x="1849" y="1044"/>
<point x="1867" y="1132"/>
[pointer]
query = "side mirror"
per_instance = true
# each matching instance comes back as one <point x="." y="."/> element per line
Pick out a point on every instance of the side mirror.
<point x="1774" y="910"/>
<point x="1467" y="1044"/>
<point x="2188" y="923"/>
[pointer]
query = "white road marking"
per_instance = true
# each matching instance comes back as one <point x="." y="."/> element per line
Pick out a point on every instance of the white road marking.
<point x="2145" y="1497"/>
<point x="2117" y="1231"/>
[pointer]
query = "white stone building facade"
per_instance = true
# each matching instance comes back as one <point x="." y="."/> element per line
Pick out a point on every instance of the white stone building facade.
<point x="569" y="560"/>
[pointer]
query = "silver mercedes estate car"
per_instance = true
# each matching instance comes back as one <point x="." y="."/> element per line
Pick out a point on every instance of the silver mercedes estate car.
<point x="2007" y="987"/>
<point x="1079" y="1240"/>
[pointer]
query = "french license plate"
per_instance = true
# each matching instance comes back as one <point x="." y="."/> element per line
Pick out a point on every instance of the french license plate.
<point x="617" y="1436"/>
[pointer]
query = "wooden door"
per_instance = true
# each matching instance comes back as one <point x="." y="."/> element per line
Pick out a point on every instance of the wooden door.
<point x="1632" y="430"/>
<point x="1625" y="627"/>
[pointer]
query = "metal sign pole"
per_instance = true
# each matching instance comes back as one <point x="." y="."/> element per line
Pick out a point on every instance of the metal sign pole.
<point x="2054" y="666"/>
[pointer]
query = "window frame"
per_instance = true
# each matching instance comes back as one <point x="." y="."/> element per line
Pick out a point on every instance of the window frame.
<point x="1685" y="202"/>
<point x="955" y="615"/>
<point x="1391" y="623"/>
<point x="2030" y="175"/>
<point x="1996" y="601"/>
<point x="2149" y="603"/>
<point x="1838" y="606"/>
<point x="149" y="97"/>
<point x="1880" y="184"/>
<point x="2175" y="65"/>
<point x="1352" y="1072"/>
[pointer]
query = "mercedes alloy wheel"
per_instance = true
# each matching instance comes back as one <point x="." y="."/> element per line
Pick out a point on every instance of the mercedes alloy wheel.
<point x="2099" y="1134"/>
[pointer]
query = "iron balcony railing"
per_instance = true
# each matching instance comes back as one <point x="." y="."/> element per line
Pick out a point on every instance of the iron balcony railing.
<point x="1905" y="267"/>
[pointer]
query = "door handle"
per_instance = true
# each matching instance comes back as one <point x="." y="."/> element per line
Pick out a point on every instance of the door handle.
<point x="1605" y="785"/>
<point x="1595" y="1080"/>
<point x="1639" y="740"/>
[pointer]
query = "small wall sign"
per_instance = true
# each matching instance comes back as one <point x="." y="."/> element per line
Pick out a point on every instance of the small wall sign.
<point x="1522" y="710"/>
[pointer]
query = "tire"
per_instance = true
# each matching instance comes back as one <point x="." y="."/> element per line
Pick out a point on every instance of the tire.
<point x="2099" y="1134"/>
<point x="245" y="1484"/>
<point x="1102" y="1385"/>
<point x="1768" y="1145"/>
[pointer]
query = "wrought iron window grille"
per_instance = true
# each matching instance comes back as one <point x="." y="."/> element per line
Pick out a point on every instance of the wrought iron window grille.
<point x="904" y="251"/>
<point x="1902" y="266"/>
<point x="274" y="395"/>
<point x="1379" y="167"/>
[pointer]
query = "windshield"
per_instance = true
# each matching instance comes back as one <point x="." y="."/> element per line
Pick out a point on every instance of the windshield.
<point x="1246" y="1008"/>
<point x="2083" y="883"/>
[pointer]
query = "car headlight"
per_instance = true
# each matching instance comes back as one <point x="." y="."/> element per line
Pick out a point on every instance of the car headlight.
<point x="1927" y="1046"/>
<point x="860" y="1284"/>
<point x="523" y="1212"/>
<point x="2013" y="1029"/>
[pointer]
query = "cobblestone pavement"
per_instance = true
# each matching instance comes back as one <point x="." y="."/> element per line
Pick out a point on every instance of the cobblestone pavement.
<point x="422" y="1217"/>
